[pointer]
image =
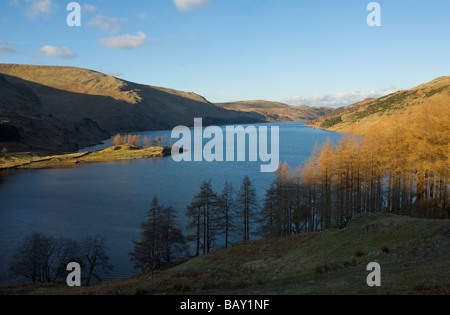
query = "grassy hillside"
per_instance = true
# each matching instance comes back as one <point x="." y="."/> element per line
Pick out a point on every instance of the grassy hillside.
<point x="115" y="104"/>
<point x="394" y="109"/>
<point x="413" y="254"/>
<point x="278" y="112"/>
<point x="25" y="125"/>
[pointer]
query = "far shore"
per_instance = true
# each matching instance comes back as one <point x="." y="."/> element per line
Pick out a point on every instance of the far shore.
<point x="111" y="154"/>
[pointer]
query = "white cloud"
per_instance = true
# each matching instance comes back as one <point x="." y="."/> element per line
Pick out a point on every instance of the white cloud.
<point x="109" y="24"/>
<point x="142" y="16"/>
<point x="38" y="8"/>
<point x="5" y="48"/>
<point x="192" y="38"/>
<point x="185" y="5"/>
<point x="339" y="99"/>
<point x="88" y="8"/>
<point x="58" y="52"/>
<point x="125" y="41"/>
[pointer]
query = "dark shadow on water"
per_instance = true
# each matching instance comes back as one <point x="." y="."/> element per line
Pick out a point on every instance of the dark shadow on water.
<point x="6" y="174"/>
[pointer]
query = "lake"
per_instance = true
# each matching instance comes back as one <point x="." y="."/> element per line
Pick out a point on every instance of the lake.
<point x="112" y="199"/>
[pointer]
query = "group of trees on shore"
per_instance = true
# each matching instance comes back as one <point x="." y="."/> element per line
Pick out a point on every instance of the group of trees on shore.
<point x="43" y="258"/>
<point x="226" y="217"/>
<point x="214" y="220"/>
<point x="401" y="170"/>
<point x="137" y="141"/>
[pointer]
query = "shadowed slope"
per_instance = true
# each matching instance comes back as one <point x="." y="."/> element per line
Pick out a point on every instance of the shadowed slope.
<point x="115" y="104"/>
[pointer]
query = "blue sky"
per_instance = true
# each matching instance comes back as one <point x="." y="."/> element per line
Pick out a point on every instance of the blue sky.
<point x="313" y="52"/>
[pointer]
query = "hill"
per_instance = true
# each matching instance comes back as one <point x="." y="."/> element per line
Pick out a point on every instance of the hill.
<point x="26" y="125"/>
<point x="277" y="112"/>
<point x="394" y="109"/>
<point x="74" y="94"/>
<point x="413" y="254"/>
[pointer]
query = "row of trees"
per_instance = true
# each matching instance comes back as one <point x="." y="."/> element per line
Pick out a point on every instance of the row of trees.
<point x="402" y="170"/>
<point x="227" y="216"/>
<point x="137" y="141"/>
<point x="43" y="258"/>
<point x="214" y="220"/>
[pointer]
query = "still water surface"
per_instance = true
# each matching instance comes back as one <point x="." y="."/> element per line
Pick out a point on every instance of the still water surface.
<point x="112" y="199"/>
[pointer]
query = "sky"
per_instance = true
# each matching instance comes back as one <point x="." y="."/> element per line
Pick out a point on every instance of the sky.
<point x="312" y="52"/>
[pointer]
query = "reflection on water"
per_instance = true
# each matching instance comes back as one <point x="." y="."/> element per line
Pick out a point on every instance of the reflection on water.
<point x="4" y="174"/>
<point x="112" y="198"/>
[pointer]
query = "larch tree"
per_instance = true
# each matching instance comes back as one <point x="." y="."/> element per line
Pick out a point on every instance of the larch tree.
<point x="161" y="239"/>
<point x="248" y="204"/>
<point x="226" y="213"/>
<point x="203" y="212"/>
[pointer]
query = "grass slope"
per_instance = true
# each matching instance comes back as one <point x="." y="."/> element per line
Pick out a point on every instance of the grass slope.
<point x="413" y="253"/>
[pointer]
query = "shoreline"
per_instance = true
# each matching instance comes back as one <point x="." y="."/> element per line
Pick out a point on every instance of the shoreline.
<point x="111" y="154"/>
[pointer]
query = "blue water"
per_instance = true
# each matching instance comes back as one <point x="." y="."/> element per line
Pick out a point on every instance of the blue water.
<point x="112" y="199"/>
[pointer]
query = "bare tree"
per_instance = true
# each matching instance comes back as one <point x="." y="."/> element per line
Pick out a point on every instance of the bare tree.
<point x="43" y="258"/>
<point x="94" y="257"/>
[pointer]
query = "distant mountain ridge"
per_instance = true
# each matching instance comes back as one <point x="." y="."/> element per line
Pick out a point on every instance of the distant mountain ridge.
<point x="53" y="98"/>
<point x="276" y="111"/>
<point x="393" y="109"/>
<point x="115" y="104"/>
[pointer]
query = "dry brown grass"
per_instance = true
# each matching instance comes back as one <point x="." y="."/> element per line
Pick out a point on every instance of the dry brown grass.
<point x="412" y="108"/>
<point x="119" y="153"/>
<point x="316" y="263"/>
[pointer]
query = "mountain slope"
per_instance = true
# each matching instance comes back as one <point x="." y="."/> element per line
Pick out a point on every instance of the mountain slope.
<point x="277" y="112"/>
<point x="116" y="105"/>
<point x="394" y="109"/>
<point x="34" y="128"/>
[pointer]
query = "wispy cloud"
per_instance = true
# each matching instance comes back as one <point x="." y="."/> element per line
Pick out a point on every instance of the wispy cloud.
<point x="58" y="52"/>
<point x="142" y="16"/>
<point x="339" y="99"/>
<point x="186" y="5"/>
<point x="125" y="41"/>
<point x="5" y="48"/>
<point x="35" y="8"/>
<point x="108" y="24"/>
<point x="192" y="38"/>
<point x="88" y="8"/>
